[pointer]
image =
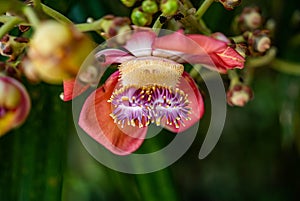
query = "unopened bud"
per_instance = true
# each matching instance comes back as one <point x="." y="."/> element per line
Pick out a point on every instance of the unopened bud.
<point x="169" y="7"/>
<point x="262" y="43"/>
<point x="128" y="3"/>
<point x="140" y="18"/>
<point x="57" y="51"/>
<point x="239" y="95"/>
<point x="150" y="6"/>
<point x="250" y="19"/>
<point x="230" y="4"/>
<point x="259" y="41"/>
<point x="116" y="28"/>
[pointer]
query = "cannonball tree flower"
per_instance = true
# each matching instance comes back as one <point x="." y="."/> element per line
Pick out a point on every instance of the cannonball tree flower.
<point x="150" y="86"/>
<point x="56" y="52"/>
<point x="14" y="104"/>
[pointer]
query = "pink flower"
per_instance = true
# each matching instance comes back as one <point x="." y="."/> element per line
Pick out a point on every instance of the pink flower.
<point x="14" y="104"/>
<point x="150" y="86"/>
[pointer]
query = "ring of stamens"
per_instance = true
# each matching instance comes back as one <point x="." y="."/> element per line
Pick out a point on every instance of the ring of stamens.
<point x="149" y="104"/>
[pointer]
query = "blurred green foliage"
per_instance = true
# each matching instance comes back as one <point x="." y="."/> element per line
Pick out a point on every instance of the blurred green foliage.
<point x="257" y="157"/>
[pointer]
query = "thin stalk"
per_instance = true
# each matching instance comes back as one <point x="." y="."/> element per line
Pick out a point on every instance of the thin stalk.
<point x="93" y="26"/>
<point x="234" y="77"/>
<point x="286" y="67"/>
<point x="190" y="21"/>
<point x="157" y="25"/>
<point x="263" y="60"/>
<point x="31" y="16"/>
<point x="9" y="25"/>
<point x="203" y="8"/>
<point x="37" y="4"/>
<point x="56" y="15"/>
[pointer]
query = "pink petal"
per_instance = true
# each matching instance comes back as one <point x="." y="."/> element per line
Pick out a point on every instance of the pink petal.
<point x="72" y="89"/>
<point x="188" y="85"/>
<point x="107" y="57"/>
<point x="219" y="61"/>
<point x="140" y="43"/>
<point x="220" y="36"/>
<point x="223" y="56"/>
<point x="177" y="41"/>
<point x="209" y="44"/>
<point x="95" y="120"/>
<point x="214" y="54"/>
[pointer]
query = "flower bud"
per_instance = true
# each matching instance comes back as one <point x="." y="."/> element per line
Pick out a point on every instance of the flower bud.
<point x="140" y="18"/>
<point x="57" y="51"/>
<point x="14" y="104"/>
<point x="169" y="7"/>
<point x="250" y="19"/>
<point x="230" y="4"/>
<point x="150" y="6"/>
<point x="12" y="46"/>
<point x="258" y="41"/>
<point x="239" y="95"/>
<point x="128" y="3"/>
<point x="116" y="27"/>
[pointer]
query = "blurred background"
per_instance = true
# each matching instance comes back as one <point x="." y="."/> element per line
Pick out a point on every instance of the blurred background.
<point x="256" y="158"/>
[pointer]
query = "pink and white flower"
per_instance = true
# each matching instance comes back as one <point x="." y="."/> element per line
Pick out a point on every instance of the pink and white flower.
<point x="150" y="86"/>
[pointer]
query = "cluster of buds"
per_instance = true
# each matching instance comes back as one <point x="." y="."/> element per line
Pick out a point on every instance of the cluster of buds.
<point x="12" y="46"/>
<point x="250" y="24"/>
<point x="112" y="26"/>
<point x="142" y="15"/>
<point x="56" y="52"/>
<point x="14" y="104"/>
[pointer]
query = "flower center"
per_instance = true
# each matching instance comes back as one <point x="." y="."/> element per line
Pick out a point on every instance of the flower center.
<point x="150" y="71"/>
<point x="149" y="104"/>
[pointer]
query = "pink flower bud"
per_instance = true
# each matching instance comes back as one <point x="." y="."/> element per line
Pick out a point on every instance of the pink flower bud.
<point x="239" y="95"/>
<point x="250" y="19"/>
<point x="259" y="41"/>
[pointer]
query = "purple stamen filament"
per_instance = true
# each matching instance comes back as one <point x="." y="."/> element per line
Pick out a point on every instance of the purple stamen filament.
<point x="149" y="104"/>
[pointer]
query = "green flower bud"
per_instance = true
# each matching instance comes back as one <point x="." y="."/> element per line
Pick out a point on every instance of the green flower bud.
<point x="150" y="6"/>
<point x="169" y="7"/>
<point x="128" y="3"/>
<point x="140" y="18"/>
